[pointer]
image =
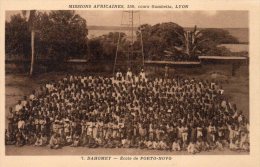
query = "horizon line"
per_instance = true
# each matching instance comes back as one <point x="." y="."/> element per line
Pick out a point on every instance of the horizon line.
<point x="160" y="23"/>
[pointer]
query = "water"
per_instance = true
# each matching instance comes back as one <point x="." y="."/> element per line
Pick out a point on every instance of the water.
<point x="242" y="34"/>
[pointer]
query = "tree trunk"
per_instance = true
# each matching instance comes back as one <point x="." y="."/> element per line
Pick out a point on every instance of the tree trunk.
<point x="235" y="66"/>
<point x="187" y="41"/>
<point x="32" y="47"/>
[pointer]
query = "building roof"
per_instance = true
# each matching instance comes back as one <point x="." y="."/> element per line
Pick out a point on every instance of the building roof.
<point x="236" y="47"/>
<point x="223" y="57"/>
<point x="173" y="62"/>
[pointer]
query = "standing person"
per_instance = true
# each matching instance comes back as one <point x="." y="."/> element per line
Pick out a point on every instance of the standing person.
<point x="141" y="131"/>
<point x="142" y="74"/>
<point x="21" y="125"/>
<point x="129" y="74"/>
<point x="115" y="128"/>
<point x="95" y="130"/>
<point x="67" y="127"/>
<point x="24" y="101"/>
<point x="119" y="75"/>
<point x="193" y="133"/>
<point x="55" y="126"/>
<point x="166" y="71"/>
<point x="18" y="107"/>
<point x="199" y="131"/>
<point x="212" y="132"/>
<point x="100" y="125"/>
<point x="10" y="118"/>
<point x="184" y="135"/>
<point x="42" y="123"/>
<point x="121" y="129"/>
<point x="151" y="131"/>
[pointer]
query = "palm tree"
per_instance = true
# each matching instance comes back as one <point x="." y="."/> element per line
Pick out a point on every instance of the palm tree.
<point x="30" y="17"/>
<point x="191" y="41"/>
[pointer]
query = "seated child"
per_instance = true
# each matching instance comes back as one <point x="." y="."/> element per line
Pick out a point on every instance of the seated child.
<point x="245" y="146"/>
<point x="244" y="141"/>
<point x="20" y="140"/>
<point x="149" y="144"/>
<point x="192" y="148"/>
<point x="39" y="141"/>
<point x="109" y="143"/>
<point x="99" y="141"/>
<point x="233" y="145"/>
<point x="9" y="138"/>
<point x="125" y="143"/>
<point x="134" y="142"/>
<point x="55" y="142"/>
<point x="219" y="145"/>
<point x="68" y="140"/>
<point x="199" y="144"/>
<point x="176" y="146"/>
<point x="117" y="143"/>
<point x="44" y="139"/>
<point x="163" y="145"/>
<point x="92" y="143"/>
<point x="205" y="146"/>
<point x="75" y="140"/>
<point x="141" y="144"/>
<point x="155" y="145"/>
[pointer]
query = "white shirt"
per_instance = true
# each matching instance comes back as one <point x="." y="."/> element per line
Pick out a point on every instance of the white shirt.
<point x="21" y="124"/>
<point x="129" y="74"/>
<point x="32" y="97"/>
<point x="142" y="75"/>
<point x="118" y="74"/>
<point x="18" y="107"/>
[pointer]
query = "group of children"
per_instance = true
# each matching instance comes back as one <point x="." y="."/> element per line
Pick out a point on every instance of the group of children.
<point x="129" y="111"/>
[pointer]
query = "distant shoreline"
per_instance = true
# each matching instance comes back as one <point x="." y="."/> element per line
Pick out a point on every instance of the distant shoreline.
<point x="242" y="34"/>
<point x="94" y="27"/>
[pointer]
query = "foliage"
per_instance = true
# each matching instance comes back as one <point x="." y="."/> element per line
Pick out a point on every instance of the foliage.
<point x="219" y="51"/>
<point x="64" y="33"/>
<point x="219" y="36"/>
<point x="215" y="37"/>
<point x="191" y="41"/>
<point x="104" y="47"/>
<point x="17" y="36"/>
<point x="170" y="41"/>
<point x="59" y="35"/>
<point x="159" y="37"/>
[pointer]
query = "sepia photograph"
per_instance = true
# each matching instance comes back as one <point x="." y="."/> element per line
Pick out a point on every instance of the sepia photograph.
<point x="127" y="82"/>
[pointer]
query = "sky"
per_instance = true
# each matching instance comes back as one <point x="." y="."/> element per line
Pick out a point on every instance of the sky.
<point x="203" y="19"/>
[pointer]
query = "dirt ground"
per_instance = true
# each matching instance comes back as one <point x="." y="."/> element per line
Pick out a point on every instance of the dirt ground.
<point x="18" y="85"/>
<point x="31" y="150"/>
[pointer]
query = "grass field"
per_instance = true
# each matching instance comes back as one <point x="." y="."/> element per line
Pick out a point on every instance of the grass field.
<point x="18" y="85"/>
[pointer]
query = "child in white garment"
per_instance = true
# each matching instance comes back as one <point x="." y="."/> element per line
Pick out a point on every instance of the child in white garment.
<point x="192" y="148"/>
<point x="176" y="146"/>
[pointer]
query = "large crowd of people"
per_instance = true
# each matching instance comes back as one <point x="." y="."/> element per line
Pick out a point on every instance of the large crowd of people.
<point x="129" y="111"/>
